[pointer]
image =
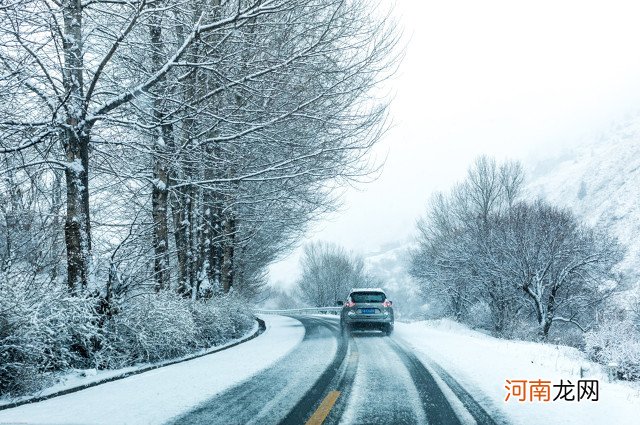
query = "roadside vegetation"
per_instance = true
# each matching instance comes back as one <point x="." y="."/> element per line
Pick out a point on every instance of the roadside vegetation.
<point x="489" y="257"/>
<point x="157" y="155"/>
<point x="329" y="273"/>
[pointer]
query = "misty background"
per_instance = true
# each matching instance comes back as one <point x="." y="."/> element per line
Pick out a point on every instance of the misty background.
<point x="551" y="84"/>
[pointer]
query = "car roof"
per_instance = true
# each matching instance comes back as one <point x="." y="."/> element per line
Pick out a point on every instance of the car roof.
<point x="367" y="290"/>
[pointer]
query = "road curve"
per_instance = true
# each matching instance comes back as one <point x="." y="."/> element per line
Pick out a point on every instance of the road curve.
<point x="366" y="378"/>
<point x="268" y="396"/>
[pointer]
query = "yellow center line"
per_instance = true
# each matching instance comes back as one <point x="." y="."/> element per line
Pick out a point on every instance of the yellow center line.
<point x="323" y="410"/>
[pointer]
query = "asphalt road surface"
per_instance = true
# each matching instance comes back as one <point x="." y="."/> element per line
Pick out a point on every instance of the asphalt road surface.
<point x="330" y="378"/>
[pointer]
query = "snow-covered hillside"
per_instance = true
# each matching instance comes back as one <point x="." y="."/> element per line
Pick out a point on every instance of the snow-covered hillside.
<point x="600" y="181"/>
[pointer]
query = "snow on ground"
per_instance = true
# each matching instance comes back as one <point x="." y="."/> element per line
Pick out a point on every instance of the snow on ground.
<point x="156" y="396"/>
<point x="481" y="364"/>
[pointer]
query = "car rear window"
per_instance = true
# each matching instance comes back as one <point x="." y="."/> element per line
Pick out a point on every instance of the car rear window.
<point x="368" y="297"/>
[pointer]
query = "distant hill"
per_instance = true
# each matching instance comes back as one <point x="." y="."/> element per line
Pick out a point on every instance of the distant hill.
<point x="600" y="181"/>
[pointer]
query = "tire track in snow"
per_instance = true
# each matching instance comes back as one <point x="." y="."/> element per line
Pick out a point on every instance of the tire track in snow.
<point x="268" y="396"/>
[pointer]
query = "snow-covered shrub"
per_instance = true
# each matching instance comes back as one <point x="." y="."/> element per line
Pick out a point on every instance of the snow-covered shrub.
<point x="618" y="342"/>
<point x="478" y="315"/>
<point x="434" y="310"/>
<point x="148" y="328"/>
<point x="222" y="318"/>
<point x="153" y="327"/>
<point x="505" y="324"/>
<point x="42" y="330"/>
<point x="567" y="334"/>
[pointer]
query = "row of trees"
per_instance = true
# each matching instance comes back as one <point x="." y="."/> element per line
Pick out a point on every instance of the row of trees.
<point x="483" y="248"/>
<point x="180" y="143"/>
<point x="157" y="153"/>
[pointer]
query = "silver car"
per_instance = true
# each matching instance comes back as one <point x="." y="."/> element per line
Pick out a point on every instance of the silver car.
<point x="367" y="308"/>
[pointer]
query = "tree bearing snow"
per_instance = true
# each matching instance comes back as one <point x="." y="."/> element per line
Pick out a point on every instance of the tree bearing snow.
<point x="166" y="147"/>
<point x="329" y="273"/>
<point x="231" y="103"/>
<point x="565" y="269"/>
<point x="455" y="240"/>
<point x="525" y="261"/>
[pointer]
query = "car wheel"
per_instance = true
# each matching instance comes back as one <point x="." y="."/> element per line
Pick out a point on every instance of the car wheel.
<point x="388" y="330"/>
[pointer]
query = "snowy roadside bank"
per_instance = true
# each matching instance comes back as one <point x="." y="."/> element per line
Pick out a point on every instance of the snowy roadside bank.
<point x="79" y="380"/>
<point x="160" y="394"/>
<point x="482" y="364"/>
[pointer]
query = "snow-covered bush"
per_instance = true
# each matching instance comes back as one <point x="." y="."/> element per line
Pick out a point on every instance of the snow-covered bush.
<point x="148" y="328"/>
<point x="478" y="315"/>
<point x="153" y="327"/>
<point x="42" y="330"/>
<point x="618" y="342"/>
<point x="221" y="318"/>
<point x="567" y="334"/>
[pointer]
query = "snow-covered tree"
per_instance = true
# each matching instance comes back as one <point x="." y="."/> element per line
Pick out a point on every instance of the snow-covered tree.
<point x="525" y="261"/>
<point x="329" y="273"/>
<point x="155" y="147"/>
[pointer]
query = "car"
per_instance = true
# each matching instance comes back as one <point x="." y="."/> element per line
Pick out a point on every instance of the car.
<point x="367" y="308"/>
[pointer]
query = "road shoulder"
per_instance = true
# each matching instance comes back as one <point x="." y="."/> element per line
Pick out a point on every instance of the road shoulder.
<point x="480" y="365"/>
<point x="158" y="395"/>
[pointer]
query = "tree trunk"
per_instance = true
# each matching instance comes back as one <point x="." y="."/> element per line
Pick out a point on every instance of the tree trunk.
<point x="180" y="234"/>
<point x="550" y="311"/>
<point x="159" y="194"/>
<point x="76" y="138"/>
<point x="57" y="203"/>
<point x="229" y="229"/>
<point x="215" y="250"/>
<point x="159" y="205"/>
<point x="545" y="328"/>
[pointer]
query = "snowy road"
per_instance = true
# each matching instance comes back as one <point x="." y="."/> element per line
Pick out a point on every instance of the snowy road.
<point x="367" y="378"/>
<point x="301" y="370"/>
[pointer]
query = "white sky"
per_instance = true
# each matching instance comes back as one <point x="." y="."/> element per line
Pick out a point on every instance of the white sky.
<point x="510" y="78"/>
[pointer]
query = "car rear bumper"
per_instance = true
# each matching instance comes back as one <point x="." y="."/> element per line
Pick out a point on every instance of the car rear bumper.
<point x="368" y="319"/>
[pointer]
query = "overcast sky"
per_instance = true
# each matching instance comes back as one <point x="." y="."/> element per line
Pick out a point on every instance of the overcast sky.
<point x="513" y="79"/>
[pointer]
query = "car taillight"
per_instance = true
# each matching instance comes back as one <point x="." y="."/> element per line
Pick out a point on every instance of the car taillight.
<point x="350" y="304"/>
<point x="386" y="303"/>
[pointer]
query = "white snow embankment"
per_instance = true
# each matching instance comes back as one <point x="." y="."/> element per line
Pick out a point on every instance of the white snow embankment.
<point x="79" y="379"/>
<point x="481" y="364"/>
<point x="156" y="396"/>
